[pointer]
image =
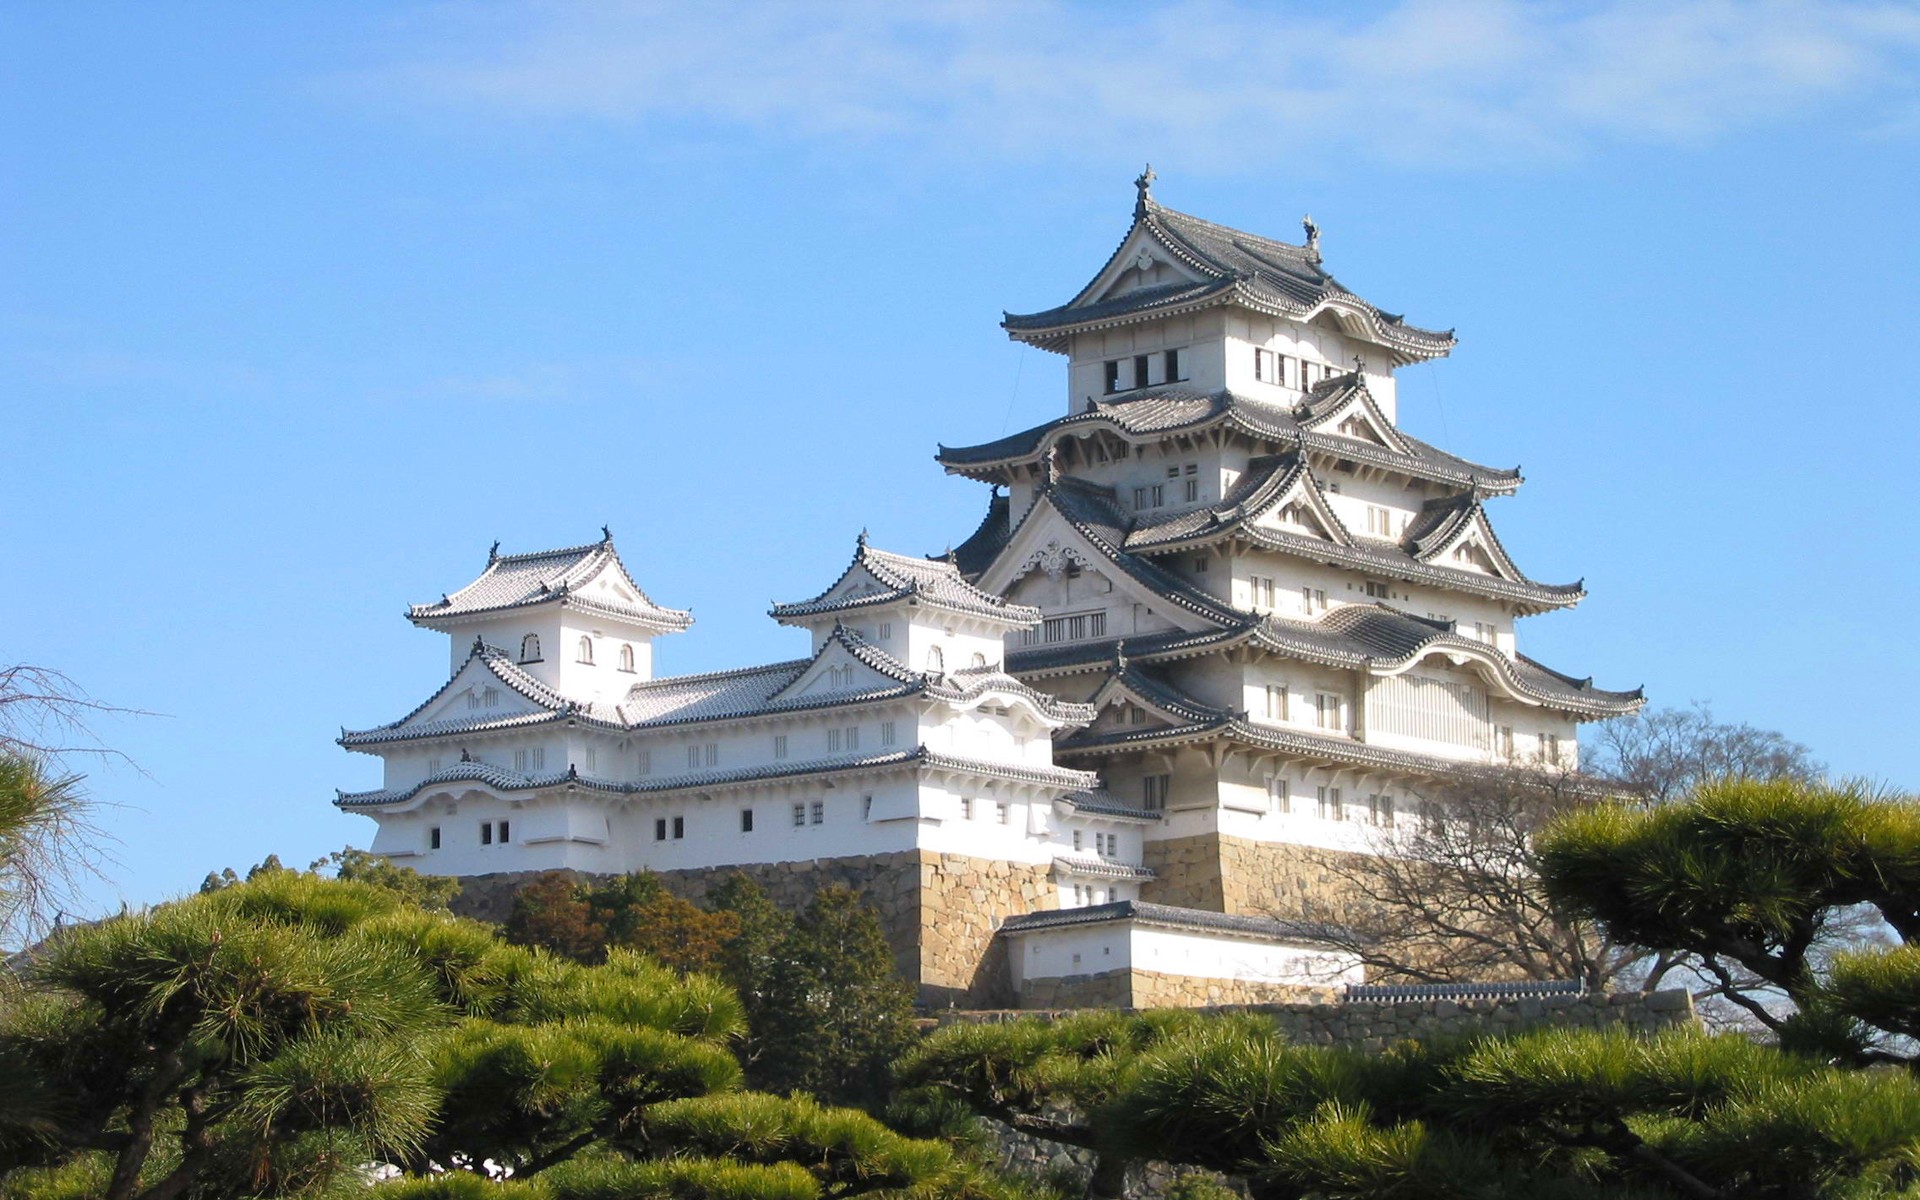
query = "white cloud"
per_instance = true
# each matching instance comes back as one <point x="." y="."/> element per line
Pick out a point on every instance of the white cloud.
<point x="1422" y="81"/>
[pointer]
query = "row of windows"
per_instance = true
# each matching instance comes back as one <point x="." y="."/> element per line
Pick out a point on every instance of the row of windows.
<point x="490" y="832"/>
<point x="1144" y="370"/>
<point x="1067" y="627"/>
<point x="1106" y="845"/>
<point x="1329" y="804"/>
<point x="1002" y="811"/>
<point x="583" y="652"/>
<point x="1287" y="371"/>
<point x="1328" y="711"/>
<point x="1182" y="482"/>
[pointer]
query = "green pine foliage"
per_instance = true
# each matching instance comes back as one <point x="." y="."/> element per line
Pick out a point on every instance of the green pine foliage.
<point x="1756" y="877"/>
<point x="295" y="1035"/>
<point x="1553" y="1113"/>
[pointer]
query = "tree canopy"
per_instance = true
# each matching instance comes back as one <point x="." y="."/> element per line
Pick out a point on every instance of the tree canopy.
<point x="1759" y="876"/>
<point x="284" y="1035"/>
<point x="1551" y="1113"/>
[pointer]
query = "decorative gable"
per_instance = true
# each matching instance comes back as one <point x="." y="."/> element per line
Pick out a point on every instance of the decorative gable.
<point x="846" y="665"/>
<point x="1143" y="261"/>
<point x="1468" y="543"/>
<point x="1356" y="416"/>
<point x="1301" y="509"/>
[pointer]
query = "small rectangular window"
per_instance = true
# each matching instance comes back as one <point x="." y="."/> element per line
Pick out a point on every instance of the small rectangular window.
<point x="660" y="829"/>
<point x="1326" y="711"/>
<point x="693" y="756"/>
<point x="1140" y="362"/>
<point x="486" y="833"/>
<point x="817" y="811"/>
<point x="1154" y="789"/>
<point x="1139" y="498"/>
<point x="537" y="758"/>
<point x="1380" y="809"/>
<point x="1001" y="811"/>
<point x="679" y="827"/>
<point x="1157" y="495"/>
<point x="1173" y="472"/>
<point x="1192" y="490"/>
<point x="433" y="837"/>
<point x="1113" y="376"/>
<point x="1175" y="368"/>
<point x="505" y="835"/>
<point x="643" y="762"/>
<point x="746" y="820"/>
<point x="1379" y="591"/>
<point x="886" y="631"/>
<point x="1329" y="804"/>
<point x="834" y="737"/>
<point x="853" y="737"/>
<point x="433" y="766"/>
<point x="886" y="733"/>
<point x="1279" y="798"/>
<point x="520" y="761"/>
<point x="966" y="808"/>
<point x="799" y="815"/>
<point x="1076" y="839"/>
<point x="1277" y="701"/>
<point x="713" y="754"/>
<point x="779" y="745"/>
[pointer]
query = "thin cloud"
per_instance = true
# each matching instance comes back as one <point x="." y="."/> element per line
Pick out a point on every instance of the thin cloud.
<point x="1434" y="82"/>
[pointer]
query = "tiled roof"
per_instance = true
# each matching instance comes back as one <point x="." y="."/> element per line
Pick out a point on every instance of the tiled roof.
<point x="1096" y="514"/>
<point x="719" y="696"/>
<point x="552" y="704"/>
<point x="1088" y="867"/>
<point x="1271" y="477"/>
<point x="1156" y="413"/>
<point x="933" y="582"/>
<point x="1101" y="803"/>
<point x="514" y="581"/>
<point x="1266" y="928"/>
<point x="920" y="756"/>
<point x="1234" y="267"/>
<point x="984" y="544"/>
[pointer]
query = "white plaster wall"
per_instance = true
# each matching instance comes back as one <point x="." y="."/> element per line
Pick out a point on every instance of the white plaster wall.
<point x="1121" y="945"/>
<point x="1212" y="956"/>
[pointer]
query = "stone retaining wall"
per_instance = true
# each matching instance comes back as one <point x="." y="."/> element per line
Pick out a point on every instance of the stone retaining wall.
<point x="1236" y="875"/>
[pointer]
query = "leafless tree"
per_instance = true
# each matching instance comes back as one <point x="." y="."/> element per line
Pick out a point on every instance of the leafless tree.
<point x="50" y="843"/>
<point x="1451" y="894"/>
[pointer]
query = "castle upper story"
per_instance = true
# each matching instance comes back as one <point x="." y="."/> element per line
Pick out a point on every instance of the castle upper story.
<point x="1186" y="301"/>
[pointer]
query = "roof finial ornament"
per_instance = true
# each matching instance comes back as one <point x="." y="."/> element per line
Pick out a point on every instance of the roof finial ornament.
<point x="1050" y="468"/>
<point x="953" y="560"/>
<point x="464" y="756"/>
<point x="493" y="554"/>
<point x="861" y="541"/>
<point x="606" y="535"/>
<point x="1120" y="655"/>
<point x="1313" y="236"/>
<point x="1144" y="185"/>
<point x="1359" y="364"/>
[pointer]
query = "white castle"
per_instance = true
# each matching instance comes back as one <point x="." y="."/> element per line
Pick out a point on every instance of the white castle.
<point x="1222" y="620"/>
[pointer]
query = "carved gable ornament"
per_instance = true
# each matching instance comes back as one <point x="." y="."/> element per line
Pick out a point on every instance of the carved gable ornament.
<point x="1053" y="558"/>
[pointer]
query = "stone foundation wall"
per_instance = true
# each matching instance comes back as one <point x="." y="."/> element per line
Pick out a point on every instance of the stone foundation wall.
<point x="963" y="900"/>
<point x="1235" y="875"/>
<point x="939" y="911"/>
<point x="1135" y="988"/>
<point x="1186" y="872"/>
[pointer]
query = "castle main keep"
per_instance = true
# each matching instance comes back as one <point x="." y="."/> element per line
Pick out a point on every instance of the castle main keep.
<point x="1222" y="619"/>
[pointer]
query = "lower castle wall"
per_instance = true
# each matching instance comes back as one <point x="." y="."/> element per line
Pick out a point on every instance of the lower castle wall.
<point x="1237" y="875"/>
<point x="1135" y="988"/>
<point x="939" y="912"/>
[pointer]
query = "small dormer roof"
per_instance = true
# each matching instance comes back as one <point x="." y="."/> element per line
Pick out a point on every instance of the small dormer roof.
<point x="1218" y="265"/>
<point x="876" y="578"/>
<point x="554" y="577"/>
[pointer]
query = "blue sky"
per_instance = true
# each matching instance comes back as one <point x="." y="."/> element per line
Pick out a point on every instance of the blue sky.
<point x="303" y="305"/>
